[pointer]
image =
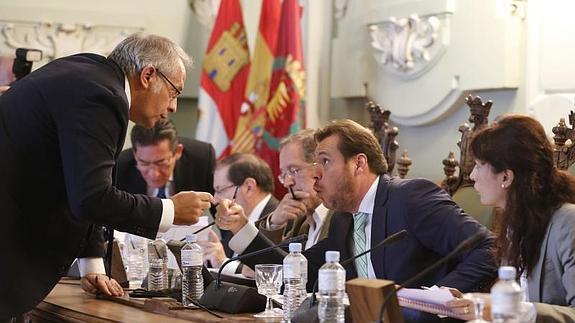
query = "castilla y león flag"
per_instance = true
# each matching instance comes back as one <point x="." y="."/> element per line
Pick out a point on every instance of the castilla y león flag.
<point x="253" y="111"/>
<point x="223" y="81"/>
<point x="285" y="111"/>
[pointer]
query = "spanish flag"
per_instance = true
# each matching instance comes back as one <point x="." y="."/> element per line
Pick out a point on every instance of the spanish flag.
<point x="253" y="111"/>
<point x="223" y="81"/>
<point x="285" y="111"/>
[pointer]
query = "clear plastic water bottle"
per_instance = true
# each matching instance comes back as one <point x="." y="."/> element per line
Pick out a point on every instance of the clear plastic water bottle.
<point x="295" y="280"/>
<point x="192" y="279"/>
<point x="136" y="259"/>
<point x="331" y="289"/>
<point x="506" y="297"/>
<point x="158" y="265"/>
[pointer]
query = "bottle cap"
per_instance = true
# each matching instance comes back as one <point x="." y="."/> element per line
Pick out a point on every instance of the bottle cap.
<point x="507" y="272"/>
<point x="295" y="247"/>
<point x="191" y="238"/>
<point x="332" y="256"/>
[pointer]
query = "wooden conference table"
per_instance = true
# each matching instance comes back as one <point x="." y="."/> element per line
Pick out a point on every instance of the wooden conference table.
<point x="69" y="303"/>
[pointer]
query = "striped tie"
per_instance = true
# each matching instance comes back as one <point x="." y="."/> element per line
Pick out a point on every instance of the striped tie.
<point x="359" y="220"/>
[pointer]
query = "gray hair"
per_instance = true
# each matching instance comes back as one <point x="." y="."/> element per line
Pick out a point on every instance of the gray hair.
<point x="305" y="138"/>
<point x="139" y="51"/>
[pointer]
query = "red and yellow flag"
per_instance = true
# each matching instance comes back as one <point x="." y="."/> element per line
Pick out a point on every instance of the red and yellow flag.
<point x="253" y="111"/>
<point x="285" y="111"/>
<point x="224" y="73"/>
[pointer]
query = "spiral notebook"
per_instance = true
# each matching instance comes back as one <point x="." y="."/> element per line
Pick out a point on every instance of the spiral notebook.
<point x="430" y="301"/>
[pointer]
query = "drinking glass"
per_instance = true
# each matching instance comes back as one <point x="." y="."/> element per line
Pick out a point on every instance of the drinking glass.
<point x="478" y="300"/>
<point x="269" y="281"/>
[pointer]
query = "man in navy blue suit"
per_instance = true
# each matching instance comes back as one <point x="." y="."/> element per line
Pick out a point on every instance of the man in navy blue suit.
<point x="61" y="130"/>
<point x="350" y="178"/>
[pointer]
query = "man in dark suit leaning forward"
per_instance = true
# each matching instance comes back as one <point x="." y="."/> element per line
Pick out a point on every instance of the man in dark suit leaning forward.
<point x="350" y="178"/>
<point x="61" y="130"/>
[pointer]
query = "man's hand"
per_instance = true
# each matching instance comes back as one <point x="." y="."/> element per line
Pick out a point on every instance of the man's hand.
<point x="213" y="250"/>
<point x="3" y="88"/>
<point x="188" y="206"/>
<point x="230" y="216"/>
<point x="99" y="283"/>
<point x="290" y="208"/>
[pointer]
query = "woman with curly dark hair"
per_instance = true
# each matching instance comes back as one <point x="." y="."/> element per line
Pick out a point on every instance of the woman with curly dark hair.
<point x="514" y="172"/>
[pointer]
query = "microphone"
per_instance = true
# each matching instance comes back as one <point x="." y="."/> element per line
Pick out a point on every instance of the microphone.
<point x="283" y="244"/>
<point x="400" y="235"/>
<point x="234" y="298"/>
<point x="468" y="243"/>
<point x="307" y="313"/>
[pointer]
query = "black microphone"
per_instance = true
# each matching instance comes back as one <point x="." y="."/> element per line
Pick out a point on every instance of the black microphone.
<point x="468" y="243"/>
<point x="283" y="244"/>
<point x="400" y="235"/>
<point x="234" y="298"/>
<point x="305" y="312"/>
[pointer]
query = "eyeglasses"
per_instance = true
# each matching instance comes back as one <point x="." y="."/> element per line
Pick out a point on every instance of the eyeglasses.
<point x="293" y="172"/>
<point x="147" y="165"/>
<point x="223" y="189"/>
<point x="178" y="92"/>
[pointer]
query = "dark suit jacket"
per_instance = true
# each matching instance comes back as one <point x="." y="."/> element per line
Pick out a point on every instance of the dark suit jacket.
<point x="194" y="171"/>
<point x="270" y="206"/>
<point x="61" y="130"/>
<point x="436" y="225"/>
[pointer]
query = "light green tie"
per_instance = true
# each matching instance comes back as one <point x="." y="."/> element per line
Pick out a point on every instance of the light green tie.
<point x="359" y="221"/>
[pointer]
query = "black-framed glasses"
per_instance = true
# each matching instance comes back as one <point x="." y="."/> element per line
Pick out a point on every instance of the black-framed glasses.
<point x="293" y="172"/>
<point x="225" y="188"/>
<point x="178" y="92"/>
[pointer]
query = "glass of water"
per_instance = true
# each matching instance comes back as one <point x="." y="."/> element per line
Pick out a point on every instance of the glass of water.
<point x="269" y="280"/>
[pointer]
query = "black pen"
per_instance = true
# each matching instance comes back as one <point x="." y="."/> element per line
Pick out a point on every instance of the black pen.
<point x="292" y="193"/>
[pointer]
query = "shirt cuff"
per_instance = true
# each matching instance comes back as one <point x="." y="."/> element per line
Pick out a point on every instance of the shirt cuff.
<point x="167" y="215"/>
<point x="270" y="226"/>
<point x="91" y="265"/>
<point x="241" y="240"/>
<point x="528" y="312"/>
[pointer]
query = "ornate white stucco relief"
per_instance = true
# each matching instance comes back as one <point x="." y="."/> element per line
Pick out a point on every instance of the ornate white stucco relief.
<point x="407" y="47"/>
<point x="62" y="39"/>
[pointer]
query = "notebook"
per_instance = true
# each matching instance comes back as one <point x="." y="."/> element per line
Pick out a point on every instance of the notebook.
<point x="431" y="301"/>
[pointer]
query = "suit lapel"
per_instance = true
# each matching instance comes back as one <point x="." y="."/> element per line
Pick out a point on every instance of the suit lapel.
<point x="271" y="205"/>
<point x="346" y="245"/>
<point x="379" y="225"/>
<point x="535" y="283"/>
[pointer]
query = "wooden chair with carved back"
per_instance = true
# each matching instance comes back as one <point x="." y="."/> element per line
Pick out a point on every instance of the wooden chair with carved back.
<point x="460" y="186"/>
<point x="564" y="144"/>
<point x="386" y="135"/>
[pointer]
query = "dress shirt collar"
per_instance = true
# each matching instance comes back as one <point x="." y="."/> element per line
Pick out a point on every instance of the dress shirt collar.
<point x="257" y="211"/>
<point x="128" y="93"/>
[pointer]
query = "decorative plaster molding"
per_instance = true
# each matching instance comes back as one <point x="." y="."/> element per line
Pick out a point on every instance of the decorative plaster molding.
<point x="60" y="39"/>
<point x="205" y="10"/>
<point x="408" y="47"/>
<point x="339" y="9"/>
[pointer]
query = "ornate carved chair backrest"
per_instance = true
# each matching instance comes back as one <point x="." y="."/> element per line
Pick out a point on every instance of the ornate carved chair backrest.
<point x="386" y="135"/>
<point x="460" y="187"/>
<point x="563" y="151"/>
<point x="479" y="113"/>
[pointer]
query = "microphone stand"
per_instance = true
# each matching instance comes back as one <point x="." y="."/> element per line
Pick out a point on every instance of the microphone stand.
<point x="389" y="240"/>
<point x="466" y="244"/>
<point x="258" y="252"/>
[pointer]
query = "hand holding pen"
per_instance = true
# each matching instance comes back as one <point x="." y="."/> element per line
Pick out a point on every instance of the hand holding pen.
<point x="291" y="207"/>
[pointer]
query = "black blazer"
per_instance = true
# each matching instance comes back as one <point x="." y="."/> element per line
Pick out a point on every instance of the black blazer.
<point x="436" y="225"/>
<point x="61" y="130"/>
<point x="194" y="171"/>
